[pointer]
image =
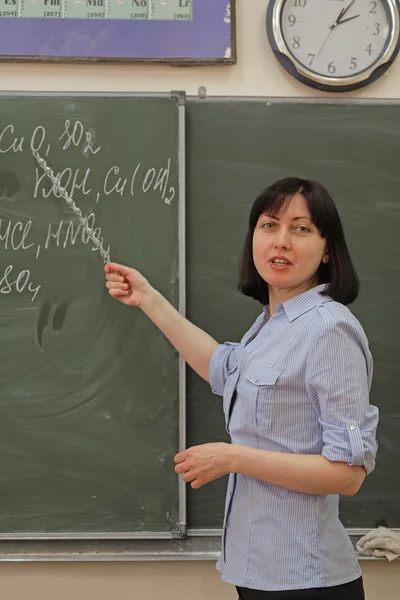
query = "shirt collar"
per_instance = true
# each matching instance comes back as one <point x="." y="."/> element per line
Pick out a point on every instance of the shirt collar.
<point x="303" y="302"/>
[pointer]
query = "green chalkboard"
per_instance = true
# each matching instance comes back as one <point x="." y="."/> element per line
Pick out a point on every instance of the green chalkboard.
<point x="235" y="149"/>
<point x="89" y="399"/>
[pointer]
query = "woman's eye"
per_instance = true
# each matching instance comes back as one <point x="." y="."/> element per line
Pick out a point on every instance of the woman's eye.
<point x="303" y="229"/>
<point x="268" y="225"/>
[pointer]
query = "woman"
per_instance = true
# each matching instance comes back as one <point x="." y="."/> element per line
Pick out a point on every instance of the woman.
<point x="296" y="400"/>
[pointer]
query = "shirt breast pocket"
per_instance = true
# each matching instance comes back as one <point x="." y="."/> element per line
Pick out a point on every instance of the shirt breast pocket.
<point x="258" y="390"/>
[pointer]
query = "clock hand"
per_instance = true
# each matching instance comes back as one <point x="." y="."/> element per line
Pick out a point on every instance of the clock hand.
<point x="345" y="11"/>
<point x="348" y="19"/>
<point x="331" y="28"/>
<point x="338" y="22"/>
<point x="327" y="38"/>
<point x="340" y="16"/>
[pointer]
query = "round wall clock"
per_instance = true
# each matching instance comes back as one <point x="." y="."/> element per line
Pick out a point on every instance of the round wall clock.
<point x="334" y="45"/>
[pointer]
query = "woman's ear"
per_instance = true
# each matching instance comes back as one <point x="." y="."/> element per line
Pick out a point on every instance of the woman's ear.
<point x="325" y="258"/>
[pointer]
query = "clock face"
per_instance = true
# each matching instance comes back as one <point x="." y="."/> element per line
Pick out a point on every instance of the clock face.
<point x="336" y="38"/>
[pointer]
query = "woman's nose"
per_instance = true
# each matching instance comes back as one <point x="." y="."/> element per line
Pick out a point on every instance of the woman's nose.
<point x="282" y="239"/>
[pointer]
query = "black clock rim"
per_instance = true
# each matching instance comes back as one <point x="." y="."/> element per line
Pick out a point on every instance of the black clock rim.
<point x="290" y="67"/>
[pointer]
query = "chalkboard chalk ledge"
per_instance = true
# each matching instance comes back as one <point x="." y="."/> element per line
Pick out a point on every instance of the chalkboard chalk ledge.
<point x="193" y="548"/>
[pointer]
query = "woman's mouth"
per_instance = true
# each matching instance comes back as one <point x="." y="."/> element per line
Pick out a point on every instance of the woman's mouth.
<point x="280" y="263"/>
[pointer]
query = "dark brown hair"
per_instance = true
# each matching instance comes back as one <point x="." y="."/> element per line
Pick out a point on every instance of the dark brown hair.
<point x="339" y="273"/>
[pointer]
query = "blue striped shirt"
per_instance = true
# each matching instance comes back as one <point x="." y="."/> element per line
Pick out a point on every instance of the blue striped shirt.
<point x="298" y="382"/>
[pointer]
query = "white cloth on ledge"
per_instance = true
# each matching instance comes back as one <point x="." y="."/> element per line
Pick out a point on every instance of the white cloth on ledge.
<point x="380" y="542"/>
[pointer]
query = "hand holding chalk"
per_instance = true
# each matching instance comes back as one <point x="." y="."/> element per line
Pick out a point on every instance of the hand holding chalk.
<point x="118" y="273"/>
<point x="126" y="285"/>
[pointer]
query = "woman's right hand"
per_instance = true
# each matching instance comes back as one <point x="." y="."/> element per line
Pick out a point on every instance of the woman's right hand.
<point x="127" y="285"/>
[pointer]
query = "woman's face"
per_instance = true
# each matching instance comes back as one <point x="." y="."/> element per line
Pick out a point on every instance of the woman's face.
<point x="288" y="249"/>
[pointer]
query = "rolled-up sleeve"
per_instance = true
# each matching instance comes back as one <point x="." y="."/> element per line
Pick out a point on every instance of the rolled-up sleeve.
<point x="338" y="379"/>
<point x="223" y="361"/>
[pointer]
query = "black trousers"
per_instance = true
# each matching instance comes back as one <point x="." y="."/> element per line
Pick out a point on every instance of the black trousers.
<point x="348" y="591"/>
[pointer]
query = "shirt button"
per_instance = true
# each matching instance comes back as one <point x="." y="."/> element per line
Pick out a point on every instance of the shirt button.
<point x="352" y="427"/>
<point x="256" y="380"/>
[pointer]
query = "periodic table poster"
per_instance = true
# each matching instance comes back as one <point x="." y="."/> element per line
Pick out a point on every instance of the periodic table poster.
<point x="173" y="31"/>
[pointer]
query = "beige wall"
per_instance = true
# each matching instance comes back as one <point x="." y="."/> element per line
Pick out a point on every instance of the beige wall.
<point x="150" y="581"/>
<point x="256" y="74"/>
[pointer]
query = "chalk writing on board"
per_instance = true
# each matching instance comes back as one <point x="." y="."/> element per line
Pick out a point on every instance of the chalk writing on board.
<point x="12" y="281"/>
<point x="143" y="177"/>
<point x="63" y="193"/>
<point x="68" y="181"/>
<point x="67" y="233"/>
<point x="10" y="142"/>
<point x="74" y="134"/>
<point x="7" y="137"/>
<point x="67" y="178"/>
<point x="14" y="236"/>
<point x="146" y="179"/>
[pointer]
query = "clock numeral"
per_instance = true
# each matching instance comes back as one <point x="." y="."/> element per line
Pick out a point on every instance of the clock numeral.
<point x="300" y="3"/>
<point x="353" y="64"/>
<point x="332" y="68"/>
<point x="312" y="59"/>
<point x="369" y="49"/>
<point x="292" y="20"/>
<point x="377" y="28"/>
<point x="373" y="9"/>
<point x="296" y="42"/>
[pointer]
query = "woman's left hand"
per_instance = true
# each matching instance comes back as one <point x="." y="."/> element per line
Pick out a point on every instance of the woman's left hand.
<point x="202" y="464"/>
